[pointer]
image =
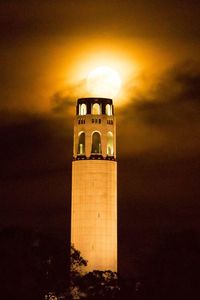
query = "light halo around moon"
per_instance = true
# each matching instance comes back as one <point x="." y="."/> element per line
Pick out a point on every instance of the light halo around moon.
<point x="103" y="82"/>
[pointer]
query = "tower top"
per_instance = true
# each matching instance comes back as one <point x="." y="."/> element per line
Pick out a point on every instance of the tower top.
<point x="94" y="129"/>
<point x="86" y="105"/>
<point x="92" y="100"/>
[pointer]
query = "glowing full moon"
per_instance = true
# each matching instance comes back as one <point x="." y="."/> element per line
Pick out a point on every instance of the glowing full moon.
<point x="103" y="82"/>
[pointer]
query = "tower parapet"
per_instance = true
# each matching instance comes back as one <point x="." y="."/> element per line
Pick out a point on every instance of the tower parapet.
<point x="94" y="129"/>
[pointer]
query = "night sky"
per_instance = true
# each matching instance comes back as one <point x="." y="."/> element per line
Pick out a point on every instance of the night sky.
<point x="47" y="49"/>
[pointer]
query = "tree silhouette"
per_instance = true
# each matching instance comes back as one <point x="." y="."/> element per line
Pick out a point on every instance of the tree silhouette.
<point x="91" y="285"/>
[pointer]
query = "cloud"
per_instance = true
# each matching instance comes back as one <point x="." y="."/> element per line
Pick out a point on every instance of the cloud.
<point x="61" y="104"/>
<point x="38" y="143"/>
<point x="64" y="101"/>
<point x="166" y="117"/>
<point x="32" y="145"/>
<point x="179" y="84"/>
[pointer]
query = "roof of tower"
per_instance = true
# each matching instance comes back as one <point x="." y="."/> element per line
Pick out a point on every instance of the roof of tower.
<point x="94" y="100"/>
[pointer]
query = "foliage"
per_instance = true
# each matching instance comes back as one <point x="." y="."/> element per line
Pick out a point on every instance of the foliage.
<point x="91" y="285"/>
<point x="100" y="285"/>
<point x="77" y="262"/>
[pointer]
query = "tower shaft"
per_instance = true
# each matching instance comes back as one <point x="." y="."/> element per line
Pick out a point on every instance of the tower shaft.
<point x="94" y="212"/>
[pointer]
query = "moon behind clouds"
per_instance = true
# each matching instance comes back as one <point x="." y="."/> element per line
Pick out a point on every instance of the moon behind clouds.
<point x="103" y="82"/>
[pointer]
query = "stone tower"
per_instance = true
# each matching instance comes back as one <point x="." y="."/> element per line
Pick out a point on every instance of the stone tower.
<point x="94" y="184"/>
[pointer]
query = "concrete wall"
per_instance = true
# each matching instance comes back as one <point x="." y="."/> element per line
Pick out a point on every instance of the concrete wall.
<point x="94" y="212"/>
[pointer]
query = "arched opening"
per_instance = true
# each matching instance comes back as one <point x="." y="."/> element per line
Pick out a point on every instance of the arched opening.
<point x="81" y="144"/>
<point x="83" y="109"/>
<point x="96" y="110"/>
<point x="108" y="110"/>
<point x="96" y="143"/>
<point x="110" y="144"/>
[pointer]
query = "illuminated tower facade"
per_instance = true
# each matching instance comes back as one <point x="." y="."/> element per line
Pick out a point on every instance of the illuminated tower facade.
<point x="94" y="184"/>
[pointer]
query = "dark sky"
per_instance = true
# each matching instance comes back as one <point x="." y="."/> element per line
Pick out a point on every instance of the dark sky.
<point x="46" y="46"/>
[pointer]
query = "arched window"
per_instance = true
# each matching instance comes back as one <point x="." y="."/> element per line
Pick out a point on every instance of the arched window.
<point x="96" y="143"/>
<point x="108" y="110"/>
<point x="81" y="144"/>
<point x="109" y="143"/>
<point x="83" y="109"/>
<point x="96" y="109"/>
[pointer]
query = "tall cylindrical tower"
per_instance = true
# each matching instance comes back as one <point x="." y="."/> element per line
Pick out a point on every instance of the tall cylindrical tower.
<point x="94" y="184"/>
